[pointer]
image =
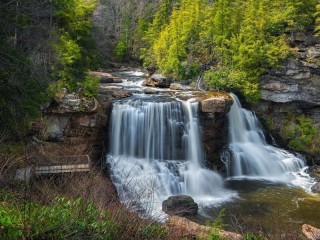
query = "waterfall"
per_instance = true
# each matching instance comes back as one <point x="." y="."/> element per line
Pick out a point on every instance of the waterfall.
<point x="248" y="153"/>
<point x="156" y="152"/>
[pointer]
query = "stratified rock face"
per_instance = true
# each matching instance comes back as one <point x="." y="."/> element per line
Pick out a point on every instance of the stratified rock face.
<point x="181" y="205"/>
<point x="69" y="114"/>
<point x="105" y="77"/>
<point x="293" y="89"/>
<point x="214" y="107"/>
<point x="158" y="80"/>
<point x="299" y="78"/>
<point x="297" y="81"/>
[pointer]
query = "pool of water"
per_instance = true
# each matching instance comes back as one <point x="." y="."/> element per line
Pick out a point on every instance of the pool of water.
<point x="272" y="208"/>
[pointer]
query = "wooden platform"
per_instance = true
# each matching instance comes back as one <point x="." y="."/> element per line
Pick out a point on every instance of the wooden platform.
<point x="56" y="165"/>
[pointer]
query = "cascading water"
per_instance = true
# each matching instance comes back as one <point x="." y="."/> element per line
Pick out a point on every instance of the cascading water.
<point x="249" y="155"/>
<point x="156" y="152"/>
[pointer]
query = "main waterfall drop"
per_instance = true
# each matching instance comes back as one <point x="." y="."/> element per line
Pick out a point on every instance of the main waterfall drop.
<point x="249" y="155"/>
<point x="156" y="152"/>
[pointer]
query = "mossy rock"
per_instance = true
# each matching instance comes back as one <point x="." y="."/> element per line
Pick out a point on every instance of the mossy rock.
<point x="181" y="205"/>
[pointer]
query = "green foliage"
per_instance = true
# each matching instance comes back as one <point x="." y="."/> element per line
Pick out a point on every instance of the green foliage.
<point x="64" y="219"/>
<point x="121" y="51"/>
<point x="75" y="46"/>
<point x="90" y="86"/>
<point x="317" y="16"/>
<point x="217" y="226"/>
<point x="253" y="236"/>
<point x="301" y="134"/>
<point x="240" y="40"/>
<point x="22" y="89"/>
<point x="169" y="50"/>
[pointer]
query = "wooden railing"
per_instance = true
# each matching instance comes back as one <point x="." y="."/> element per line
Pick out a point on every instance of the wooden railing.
<point x="56" y="165"/>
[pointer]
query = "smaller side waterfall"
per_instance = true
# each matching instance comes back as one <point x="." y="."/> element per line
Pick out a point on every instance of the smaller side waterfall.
<point x="156" y="152"/>
<point x="249" y="155"/>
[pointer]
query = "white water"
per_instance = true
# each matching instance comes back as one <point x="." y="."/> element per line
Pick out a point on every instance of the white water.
<point x="156" y="152"/>
<point x="249" y="155"/>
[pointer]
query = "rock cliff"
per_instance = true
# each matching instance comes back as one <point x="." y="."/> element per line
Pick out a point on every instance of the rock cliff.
<point x="213" y="107"/>
<point x="293" y="89"/>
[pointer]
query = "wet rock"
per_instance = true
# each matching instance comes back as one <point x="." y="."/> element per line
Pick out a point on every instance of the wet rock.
<point x="213" y="117"/>
<point x="316" y="188"/>
<point x="311" y="232"/>
<point x="178" y="86"/>
<point x="150" y="91"/>
<point x="103" y="88"/>
<point x="181" y="205"/>
<point x="158" y="80"/>
<point x="315" y="172"/>
<point x="219" y="104"/>
<point x="105" y="77"/>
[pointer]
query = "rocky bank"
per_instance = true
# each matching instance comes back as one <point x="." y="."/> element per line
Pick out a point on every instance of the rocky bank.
<point x="293" y="89"/>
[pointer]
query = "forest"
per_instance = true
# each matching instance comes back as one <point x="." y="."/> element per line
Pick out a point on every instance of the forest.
<point x="50" y="47"/>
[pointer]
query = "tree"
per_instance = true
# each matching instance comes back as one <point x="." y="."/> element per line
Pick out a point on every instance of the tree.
<point x="75" y="46"/>
<point x="317" y="21"/>
<point x="23" y="80"/>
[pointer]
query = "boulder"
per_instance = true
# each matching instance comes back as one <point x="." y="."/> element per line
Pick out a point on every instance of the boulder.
<point x="195" y="230"/>
<point x="311" y="232"/>
<point x="150" y="91"/>
<point x="180" y="205"/>
<point x="105" y="77"/>
<point x="182" y="87"/>
<point x="218" y="104"/>
<point x="316" y="188"/>
<point x="158" y="80"/>
<point x="315" y="172"/>
<point x="213" y="109"/>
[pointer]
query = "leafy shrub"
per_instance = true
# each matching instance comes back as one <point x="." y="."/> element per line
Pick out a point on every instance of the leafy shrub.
<point x="301" y="134"/>
<point x="121" y="50"/>
<point x="90" y="86"/>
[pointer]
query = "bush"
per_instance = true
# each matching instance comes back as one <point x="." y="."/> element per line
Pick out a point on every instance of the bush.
<point x="301" y="134"/>
<point x="121" y="50"/>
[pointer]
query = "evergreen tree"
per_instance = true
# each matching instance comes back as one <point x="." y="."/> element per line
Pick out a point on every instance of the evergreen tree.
<point x="317" y="16"/>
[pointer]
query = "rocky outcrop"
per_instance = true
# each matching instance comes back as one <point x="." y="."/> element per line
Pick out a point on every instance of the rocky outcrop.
<point x="158" y="80"/>
<point x="314" y="172"/>
<point x="311" y="232"/>
<point x="293" y="89"/>
<point x="105" y="77"/>
<point x="150" y="91"/>
<point x="180" y="205"/>
<point x="181" y="87"/>
<point x="194" y="230"/>
<point x="316" y="188"/>
<point x="69" y="115"/>
<point x="297" y="81"/>
<point x="213" y="109"/>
